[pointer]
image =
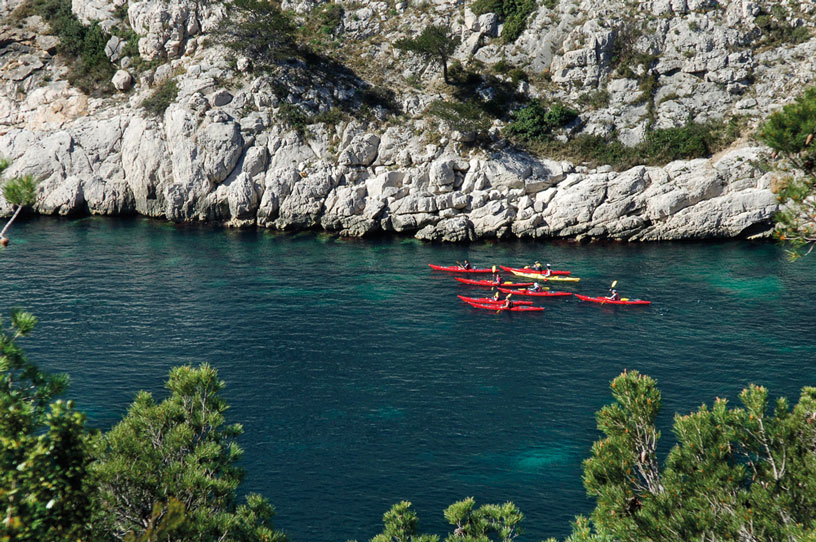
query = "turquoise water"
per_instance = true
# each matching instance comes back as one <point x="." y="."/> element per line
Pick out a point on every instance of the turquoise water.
<point x="361" y="380"/>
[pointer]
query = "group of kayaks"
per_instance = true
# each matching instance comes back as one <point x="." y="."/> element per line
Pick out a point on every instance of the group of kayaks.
<point x="523" y="289"/>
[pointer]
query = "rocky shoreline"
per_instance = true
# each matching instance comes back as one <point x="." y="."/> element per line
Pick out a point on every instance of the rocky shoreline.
<point x="221" y="154"/>
<point x="214" y="169"/>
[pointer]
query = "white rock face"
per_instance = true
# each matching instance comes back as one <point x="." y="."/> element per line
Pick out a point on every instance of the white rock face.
<point x="200" y="168"/>
<point x="122" y="80"/>
<point x="222" y="153"/>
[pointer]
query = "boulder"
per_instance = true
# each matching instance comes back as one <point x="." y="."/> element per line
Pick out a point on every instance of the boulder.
<point x="122" y="80"/>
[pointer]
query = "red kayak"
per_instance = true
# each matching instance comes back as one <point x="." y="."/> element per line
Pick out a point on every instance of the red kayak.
<point x="490" y="300"/>
<point x="530" y="270"/>
<point x="605" y="301"/>
<point x="490" y="283"/>
<point x="457" y="269"/>
<point x="525" y="308"/>
<point x="534" y="294"/>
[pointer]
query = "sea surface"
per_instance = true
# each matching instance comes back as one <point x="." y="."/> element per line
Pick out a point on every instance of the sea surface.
<point x="361" y="380"/>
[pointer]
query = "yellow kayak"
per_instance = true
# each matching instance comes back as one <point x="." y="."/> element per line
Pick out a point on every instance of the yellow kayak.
<point x="551" y="278"/>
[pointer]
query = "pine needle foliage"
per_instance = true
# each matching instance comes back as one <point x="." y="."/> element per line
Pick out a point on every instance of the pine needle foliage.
<point x="735" y="473"/>
<point x="179" y="448"/>
<point x="435" y="43"/>
<point x="44" y="453"/>
<point x="790" y="132"/>
<point x="259" y="30"/>
<point x="21" y="191"/>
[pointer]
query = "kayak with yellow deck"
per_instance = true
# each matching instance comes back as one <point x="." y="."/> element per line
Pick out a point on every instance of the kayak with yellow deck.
<point x="539" y="278"/>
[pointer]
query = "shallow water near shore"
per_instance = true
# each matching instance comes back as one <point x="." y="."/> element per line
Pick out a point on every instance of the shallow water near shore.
<point x="361" y="380"/>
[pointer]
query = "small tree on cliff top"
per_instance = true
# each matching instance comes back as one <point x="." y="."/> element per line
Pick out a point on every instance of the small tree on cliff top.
<point x="259" y="30"/>
<point x="19" y="192"/>
<point x="434" y="43"/>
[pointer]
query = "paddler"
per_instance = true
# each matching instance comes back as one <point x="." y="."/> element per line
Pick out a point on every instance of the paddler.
<point x="497" y="279"/>
<point x="536" y="287"/>
<point x="496" y="295"/>
<point x="465" y="265"/>
<point x="613" y="295"/>
<point x="507" y="303"/>
<point x="549" y="271"/>
<point x="537" y="266"/>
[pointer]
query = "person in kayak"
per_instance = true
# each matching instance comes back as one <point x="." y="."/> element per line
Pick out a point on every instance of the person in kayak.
<point x="496" y="295"/>
<point x="497" y="279"/>
<point x="613" y="295"/>
<point x="548" y="272"/>
<point x="537" y="266"/>
<point x="465" y="265"/>
<point x="536" y="287"/>
<point x="507" y="303"/>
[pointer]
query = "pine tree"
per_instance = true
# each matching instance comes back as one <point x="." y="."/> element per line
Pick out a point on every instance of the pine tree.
<point x="434" y="43"/>
<point x="19" y="192"/>
<point x="745" y="473"/>
<point x="790" y="132"/>
<point x="259" y="30"/>
<point x="43" y="448"/>
<point x="179" y="449"/>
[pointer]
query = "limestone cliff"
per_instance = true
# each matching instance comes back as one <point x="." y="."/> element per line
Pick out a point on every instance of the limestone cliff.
<point x="224" y="149"/>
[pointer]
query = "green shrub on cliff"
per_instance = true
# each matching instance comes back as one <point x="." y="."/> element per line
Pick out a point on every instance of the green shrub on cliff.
<point x="537" y="121"/>
<point x="513" y="13"/>
<point x="658" y="147"/>
<point x="82" y="46"/>
<point x="161" y="98"/>
<point x="790" y="132"/>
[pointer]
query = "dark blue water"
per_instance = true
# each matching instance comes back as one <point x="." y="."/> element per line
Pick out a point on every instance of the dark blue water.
<point x="361" y="380"/>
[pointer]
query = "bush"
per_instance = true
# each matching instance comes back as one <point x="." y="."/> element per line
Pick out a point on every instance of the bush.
<point x="513" y="13"/>
<point x="787" y="130"/>
<point x="462" y="116"/>
<point x="536" y="122"/>
<point x="659" y="147"/>
<point x="82" y="46"/>
<point x="775" y="29"/>
<point x="331" y="117"/>
<point x="161" y="98"/>
<point x="517" y="74"/>
<point x="293" y="116"/>
<point x="594" y="99"/>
